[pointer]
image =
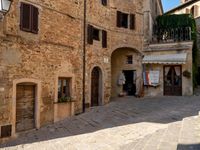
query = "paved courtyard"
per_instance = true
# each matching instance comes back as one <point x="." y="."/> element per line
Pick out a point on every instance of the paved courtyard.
<point x="163" y="123"/>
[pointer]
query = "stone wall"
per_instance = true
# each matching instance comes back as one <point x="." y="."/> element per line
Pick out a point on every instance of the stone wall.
<point x="165" y="49"/>
<point x="56" y="51"/>
<point x="198" y="35"/>
<point x="41" y="56"/>
<point x="151" y="9"/>
<point x="104" y="18"/>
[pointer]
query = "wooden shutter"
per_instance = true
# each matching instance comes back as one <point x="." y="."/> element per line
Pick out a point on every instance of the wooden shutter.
<point x="34" y="21"/>
<point x="25" y="17"/>
<point x="132" y="21"/>
<point x="90" y="34"/>
<point x="119" y="18"/>
<point x="104" y="39"/>
<point x="104" y="2"/>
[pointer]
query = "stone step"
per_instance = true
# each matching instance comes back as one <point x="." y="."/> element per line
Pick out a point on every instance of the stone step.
<point x="190" y="133"/>
<point x="152" y="143"/>
<point x="171" y="137"/>
<point x="139" y="145"/>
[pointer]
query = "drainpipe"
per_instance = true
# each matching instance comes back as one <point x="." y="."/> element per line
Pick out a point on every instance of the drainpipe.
<point x="84" y="52"/>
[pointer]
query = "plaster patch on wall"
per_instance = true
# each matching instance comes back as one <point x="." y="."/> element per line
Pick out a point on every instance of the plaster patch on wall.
<point x="11" y="57"/>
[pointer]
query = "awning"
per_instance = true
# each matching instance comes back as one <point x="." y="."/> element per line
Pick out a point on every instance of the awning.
<point x="165" y="59"/>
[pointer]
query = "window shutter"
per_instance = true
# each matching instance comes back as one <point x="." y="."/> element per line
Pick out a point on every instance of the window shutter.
<point x="132" y="21"/>
<point x="25" y="17"/>
<point x="119" y="20"/>
<point x="90" y="34"/>
<point x="34" y="21"/>
<point x="104" y="39"/>
<point x="104" y="2"/>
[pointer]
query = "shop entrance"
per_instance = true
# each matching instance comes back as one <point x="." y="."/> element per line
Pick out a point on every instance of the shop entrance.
<point x="130" y="86"/>
<point x="172" y="80"/>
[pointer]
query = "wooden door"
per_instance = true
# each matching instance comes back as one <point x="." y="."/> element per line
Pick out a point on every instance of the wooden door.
<point x="173" y="80"/>
<point x="25" y="107"/>
<point x="95" y="87"/>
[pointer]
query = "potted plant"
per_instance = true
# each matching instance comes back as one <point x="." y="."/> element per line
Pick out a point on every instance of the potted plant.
<point x="187" y="74"/>
<point x="65" y="99"/>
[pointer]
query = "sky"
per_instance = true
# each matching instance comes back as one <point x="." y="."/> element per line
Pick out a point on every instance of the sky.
<point x="169" y="4"/>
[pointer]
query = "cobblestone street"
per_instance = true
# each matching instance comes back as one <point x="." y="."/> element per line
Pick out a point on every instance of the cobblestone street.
<point x="165" y="123"/>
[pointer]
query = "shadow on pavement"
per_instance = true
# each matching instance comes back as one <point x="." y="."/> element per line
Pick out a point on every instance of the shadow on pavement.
<point x="120" y="112"/>
<point x="188" y="147"/>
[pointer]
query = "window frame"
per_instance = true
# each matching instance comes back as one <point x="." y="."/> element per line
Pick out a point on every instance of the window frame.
<point x="33" y="10"/>
<point x="69" y="85"/>
<point x="104" y="2"/>
<point x="94" y="36"/>
<point x="129" y="59"/>
<point x="130" y="20"/>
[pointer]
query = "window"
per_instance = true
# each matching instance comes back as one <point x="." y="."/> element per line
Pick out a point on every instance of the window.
<point x="104" y="2"/>
<point x="129" y="59"/>
<point x="96" y="34"/>
<point x="29" y="18"/>
<point x="124" y="21"/>
<point x="64" y="87"/>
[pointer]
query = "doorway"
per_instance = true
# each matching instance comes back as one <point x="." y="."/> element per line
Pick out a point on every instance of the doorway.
<point x="172" y="80"/>
<point x="130" y="86"/>
<point x="96" y="87"/>
<point x="198" y="79"/>
<point x="25" y="107"/>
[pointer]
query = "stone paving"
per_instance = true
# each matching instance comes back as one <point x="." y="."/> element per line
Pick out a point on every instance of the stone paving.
<point x="162" y="123"/>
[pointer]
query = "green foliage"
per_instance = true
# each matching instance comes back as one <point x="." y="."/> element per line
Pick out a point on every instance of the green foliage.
<point x="64" y="99"/>
<point x="180" y="21"/>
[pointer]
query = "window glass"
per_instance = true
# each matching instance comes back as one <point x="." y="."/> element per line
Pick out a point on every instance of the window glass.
<point x="64" y="87"/>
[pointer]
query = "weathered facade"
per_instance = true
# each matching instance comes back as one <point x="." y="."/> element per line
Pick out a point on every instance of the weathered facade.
<point x="41" y="66"/>
<point x="31" y="64"/>
<point x="41" y="63"/>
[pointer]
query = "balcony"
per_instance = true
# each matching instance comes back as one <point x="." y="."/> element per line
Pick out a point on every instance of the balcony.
<point x="174" y="29"/>
<point x="172" y="35"/>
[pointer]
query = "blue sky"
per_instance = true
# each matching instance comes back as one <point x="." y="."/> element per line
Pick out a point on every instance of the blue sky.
<point x="169" y="4"/>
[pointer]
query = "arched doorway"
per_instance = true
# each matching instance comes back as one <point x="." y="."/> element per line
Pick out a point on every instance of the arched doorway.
<point x="25" y="106"/>
<point x="96" y="87"/>
<point x="126" y="71"/>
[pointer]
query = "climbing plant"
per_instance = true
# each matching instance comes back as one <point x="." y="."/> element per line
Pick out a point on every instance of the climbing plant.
<point x="181" y="21"/>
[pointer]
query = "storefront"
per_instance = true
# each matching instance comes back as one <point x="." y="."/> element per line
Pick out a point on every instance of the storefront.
<point x="168" y="72"/>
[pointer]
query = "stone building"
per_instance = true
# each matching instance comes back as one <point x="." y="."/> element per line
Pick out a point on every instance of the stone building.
<point x="190" y="7"/>
<point x="41" y="58"/>
<point x="167" y="59"/>
<point x="39" y="41"/>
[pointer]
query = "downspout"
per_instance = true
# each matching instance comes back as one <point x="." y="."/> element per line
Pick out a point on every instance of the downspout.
<point x="84" y="53"/>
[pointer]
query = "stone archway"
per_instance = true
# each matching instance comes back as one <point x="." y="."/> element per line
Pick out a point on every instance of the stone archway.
<point x="126" y="63"/>
<point x="96" y="87"/>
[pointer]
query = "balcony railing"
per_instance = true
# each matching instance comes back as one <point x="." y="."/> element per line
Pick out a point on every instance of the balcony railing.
<point x="172" y="35"/>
